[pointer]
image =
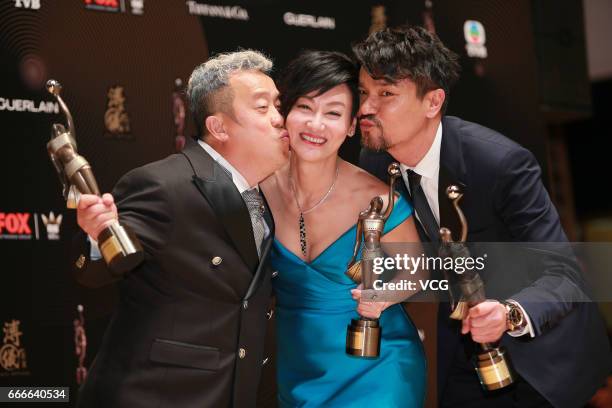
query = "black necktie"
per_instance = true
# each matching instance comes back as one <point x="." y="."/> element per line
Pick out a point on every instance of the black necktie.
<point x="421" y="206"/>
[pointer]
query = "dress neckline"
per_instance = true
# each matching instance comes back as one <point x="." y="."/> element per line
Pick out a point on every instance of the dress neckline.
<point x="316" y="258"/>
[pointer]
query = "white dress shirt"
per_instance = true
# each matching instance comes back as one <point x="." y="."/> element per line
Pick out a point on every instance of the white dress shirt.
<point x="429" y="170"/>
<point x="239" y="181"/>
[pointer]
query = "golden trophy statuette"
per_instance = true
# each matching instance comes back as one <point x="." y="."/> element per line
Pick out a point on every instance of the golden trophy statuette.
<point x="363" y="335"/>
<point x="119" y="246"/>
<point x="492" y="362"/>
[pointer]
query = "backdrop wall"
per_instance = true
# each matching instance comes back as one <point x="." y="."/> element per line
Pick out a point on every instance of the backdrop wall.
<point x="118" y="61"/>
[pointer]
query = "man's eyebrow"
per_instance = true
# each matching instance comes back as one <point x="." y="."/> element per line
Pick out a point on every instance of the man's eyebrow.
<point x="263" y="93"/>
<point x="381" y="81"/>
<point x="385" y="81"/>
<point x="311" y="98"/>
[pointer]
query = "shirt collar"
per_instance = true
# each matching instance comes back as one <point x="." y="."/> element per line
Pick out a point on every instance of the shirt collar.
<point x="429" y="165"/>
<point x="239" y="181"/>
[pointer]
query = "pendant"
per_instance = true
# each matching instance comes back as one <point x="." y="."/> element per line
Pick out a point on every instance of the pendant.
<point x="302" y="235"/>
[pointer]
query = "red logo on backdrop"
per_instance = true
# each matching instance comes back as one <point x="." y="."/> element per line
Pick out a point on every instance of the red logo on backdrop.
<point x="105" y="5"/>
<point x="15" y="224"/>
<point x="26" y="225"/>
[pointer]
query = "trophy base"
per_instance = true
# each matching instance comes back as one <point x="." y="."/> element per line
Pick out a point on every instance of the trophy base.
<point x="363" y="338"/>
<point x="120" y="248"/>
<point x="493" y="369"/>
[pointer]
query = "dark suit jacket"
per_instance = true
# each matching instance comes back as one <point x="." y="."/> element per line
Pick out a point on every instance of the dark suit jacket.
<point x="505" y="201"/>
<point x="187" y="332"/>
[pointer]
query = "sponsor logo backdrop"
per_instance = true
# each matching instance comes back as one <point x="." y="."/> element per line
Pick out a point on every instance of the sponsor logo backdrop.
<point x="119" y="62"/>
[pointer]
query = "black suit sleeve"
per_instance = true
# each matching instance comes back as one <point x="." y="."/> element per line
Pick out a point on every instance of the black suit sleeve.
<point x="144" y="206"/>
<point x="527" y="211"/>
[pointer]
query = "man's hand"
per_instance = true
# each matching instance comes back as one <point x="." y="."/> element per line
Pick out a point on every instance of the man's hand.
<point x="96" y="213"/>
<point x="486" y="322"/>
<point x="369" y="309"/>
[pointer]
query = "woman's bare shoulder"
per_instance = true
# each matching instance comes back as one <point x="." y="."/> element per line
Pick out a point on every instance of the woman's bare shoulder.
<point x="365" y="183"/>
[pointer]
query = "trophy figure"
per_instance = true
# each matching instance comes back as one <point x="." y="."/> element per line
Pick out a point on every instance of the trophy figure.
<point x="178" y="112"/>
<point x="428" y="20"/>
<point x="363" y="334"/>
<point x="119" y="246"/>
<point x="80" y="345"/>
<point x="492" y="362"/>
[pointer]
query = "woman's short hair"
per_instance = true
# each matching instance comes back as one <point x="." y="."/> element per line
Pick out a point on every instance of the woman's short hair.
<point x="317" y="71"/>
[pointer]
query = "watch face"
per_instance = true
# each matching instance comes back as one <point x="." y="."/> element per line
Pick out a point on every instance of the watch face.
<point x="515" y="316"/>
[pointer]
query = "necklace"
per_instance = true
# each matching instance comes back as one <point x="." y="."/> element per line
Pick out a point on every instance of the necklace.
<point x="303" y="240"/>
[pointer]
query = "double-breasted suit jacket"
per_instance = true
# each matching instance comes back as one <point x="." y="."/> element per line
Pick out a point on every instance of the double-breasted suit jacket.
<point x="190" y="325"/>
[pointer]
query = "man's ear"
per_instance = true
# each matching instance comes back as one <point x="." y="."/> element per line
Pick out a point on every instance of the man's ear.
<point x="215" y="127"/>
<point x="434" y="99"/>
<point x="351" y="131"/>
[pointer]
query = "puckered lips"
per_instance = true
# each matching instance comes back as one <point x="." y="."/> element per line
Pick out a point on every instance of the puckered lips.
<point x="366" y="124"/>
<point x="284" y="136"/>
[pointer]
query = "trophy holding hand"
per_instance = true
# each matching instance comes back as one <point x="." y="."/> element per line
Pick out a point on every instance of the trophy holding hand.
<point x="119" y="246"/>
<point x="492" y="362"/>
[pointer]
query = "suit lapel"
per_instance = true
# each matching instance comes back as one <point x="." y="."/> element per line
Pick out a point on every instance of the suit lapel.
<point x="217" y="187"/>
<point x="266" y="246"/>
<point x="448" y="215"/>
<point x="452" y="171"/>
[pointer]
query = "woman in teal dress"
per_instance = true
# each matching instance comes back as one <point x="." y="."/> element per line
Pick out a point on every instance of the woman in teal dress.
<point x="316" y="200"/>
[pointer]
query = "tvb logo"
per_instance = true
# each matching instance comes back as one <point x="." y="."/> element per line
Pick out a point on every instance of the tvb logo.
<point x="29" y="4"/>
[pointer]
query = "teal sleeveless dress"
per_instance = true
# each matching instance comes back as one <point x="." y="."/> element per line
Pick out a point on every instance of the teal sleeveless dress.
<point x="313" y="308"/>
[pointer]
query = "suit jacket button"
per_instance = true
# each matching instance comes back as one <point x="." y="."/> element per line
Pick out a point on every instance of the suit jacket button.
<point x="242" y="353"/>
<point x="217" y="260"/>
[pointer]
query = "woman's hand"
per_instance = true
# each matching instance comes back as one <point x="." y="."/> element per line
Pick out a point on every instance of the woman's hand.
<point x="369" y="309"/>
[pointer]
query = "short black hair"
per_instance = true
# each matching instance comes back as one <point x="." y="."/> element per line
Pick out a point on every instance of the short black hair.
<point x="409" y="52"/>
<point x="317" y="71"/>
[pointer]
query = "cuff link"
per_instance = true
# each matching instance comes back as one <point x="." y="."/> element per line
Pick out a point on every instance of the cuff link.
<point x="242" y="353"/>
<point x="270" y="313"/>
<point x="274" y="274"/>
<point x="217" y="260"/>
